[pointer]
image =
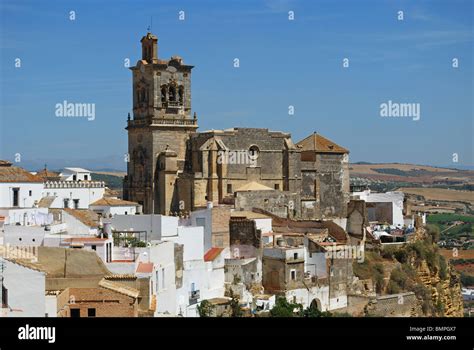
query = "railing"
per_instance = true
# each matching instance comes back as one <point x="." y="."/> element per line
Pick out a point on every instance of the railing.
<point x="74" y="184"/>
<point x="172" y="104"/>
<point x="161" y="121"/>
<point x="174" y="121"/>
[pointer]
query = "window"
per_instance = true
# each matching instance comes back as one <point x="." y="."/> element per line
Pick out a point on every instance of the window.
<point x="66" y="202"/>
<point x="74" y="177"/>
<point x="126" y="213"/>
<point x="162" y="278"/>
<point x="229" y="188"/>
<point x="16" y="197"/>
<point x="295" y="256"/>
<point x="30" y="192"/>
<point x="86" y="177"/>
<point x="277" y="186"/>
<point x="76" y="203"/>
<point x="94" y="247"/>
<point x="310" y="254"/>
<point x="293" y="275"/>
<point x="90" y="312"/>
<point x="75" y="312"/>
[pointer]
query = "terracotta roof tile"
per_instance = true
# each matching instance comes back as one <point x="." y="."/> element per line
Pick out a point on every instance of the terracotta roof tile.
<point x="320" y="144"/>
<point x="87" y="217"/>
<point x="212" y="253"/>
<point x="144" y="267"/>
<point x="46" y="202"/>
<point x="113" y="202"/>
<point x="10" y="173"/>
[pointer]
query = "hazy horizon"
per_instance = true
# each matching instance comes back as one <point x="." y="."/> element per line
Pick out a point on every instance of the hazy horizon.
<point x="283" y="63"/>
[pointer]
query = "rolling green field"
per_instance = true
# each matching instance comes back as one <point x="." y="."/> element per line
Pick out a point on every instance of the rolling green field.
<point x="444" y="221"/>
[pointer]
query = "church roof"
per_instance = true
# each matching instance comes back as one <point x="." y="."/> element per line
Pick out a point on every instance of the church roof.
<point x="320" y="144"/>
<point x="254" y="186"/>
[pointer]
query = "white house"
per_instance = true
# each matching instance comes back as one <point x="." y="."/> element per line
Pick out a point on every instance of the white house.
<point x="23" y="290"/>
<point x="81" y="222"/>
<point x="110" y="206"/>
<point x="75" y="174"/>
<point x="18" y="188"/>
<point x="177" y="290"/>
<point x="383" y="207"/>
<point x="72" y="194"/>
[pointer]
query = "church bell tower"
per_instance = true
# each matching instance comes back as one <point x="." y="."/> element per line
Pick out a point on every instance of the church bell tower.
<point x="159" y="129"/>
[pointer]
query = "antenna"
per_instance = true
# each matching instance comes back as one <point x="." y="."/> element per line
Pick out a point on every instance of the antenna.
<point x="150" y="27"/>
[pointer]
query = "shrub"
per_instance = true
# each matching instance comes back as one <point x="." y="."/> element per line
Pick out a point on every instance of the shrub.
<point x="393" y="288"/>
<point x="443" y="267"/>
<point x="401" y="255"/>
<point x="378" y="277"/>
<point x="205" y="308"/>
<point x="433" y="232"/>
<point x="283" y="308"/>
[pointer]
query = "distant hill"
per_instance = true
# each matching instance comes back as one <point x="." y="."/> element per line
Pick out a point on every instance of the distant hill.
<point x="112" y="180"/>
<point x="411" y="173"/>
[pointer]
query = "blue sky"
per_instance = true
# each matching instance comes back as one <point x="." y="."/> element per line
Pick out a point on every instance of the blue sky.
<point x="282" y="63"/>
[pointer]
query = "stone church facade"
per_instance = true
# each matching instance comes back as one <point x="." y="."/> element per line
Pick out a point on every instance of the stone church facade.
<point x="174" y="169"/>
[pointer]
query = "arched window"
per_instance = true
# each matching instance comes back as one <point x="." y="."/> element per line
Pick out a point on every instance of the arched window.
<point x="172" y="93"/>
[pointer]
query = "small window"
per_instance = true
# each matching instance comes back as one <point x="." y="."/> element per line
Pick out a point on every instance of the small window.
<point x="75" y="312"/>
<point x="30" y="193"/>
<point x="74" y="177"/>
<point x="94" y="247"/>
<point x="86" y="177"/>
<point x="293" y="275"/>
<point x="76" y="203"/>
<point x="90" y="312"/>
<point x="16" y="197"/>
<point x="229" y="188"/>
<point x="277" y="186"/>
<point x="295" y="256"/>
<point x="126" y="213"/>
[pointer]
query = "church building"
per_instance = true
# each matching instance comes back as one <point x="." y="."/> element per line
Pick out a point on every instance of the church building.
<point x="174" y="169"/>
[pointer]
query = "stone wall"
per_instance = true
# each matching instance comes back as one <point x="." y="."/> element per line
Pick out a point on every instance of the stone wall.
<point x="279" y="203"/>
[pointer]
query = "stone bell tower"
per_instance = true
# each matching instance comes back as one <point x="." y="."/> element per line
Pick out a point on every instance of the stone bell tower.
<point x="159" y="129"/>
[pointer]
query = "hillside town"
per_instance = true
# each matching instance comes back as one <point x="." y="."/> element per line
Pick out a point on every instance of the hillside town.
<point x="241" y="222"/>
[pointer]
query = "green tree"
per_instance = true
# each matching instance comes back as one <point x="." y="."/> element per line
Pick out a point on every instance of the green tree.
<point x="205" y="309"/>
<point x="283" y="308"/>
